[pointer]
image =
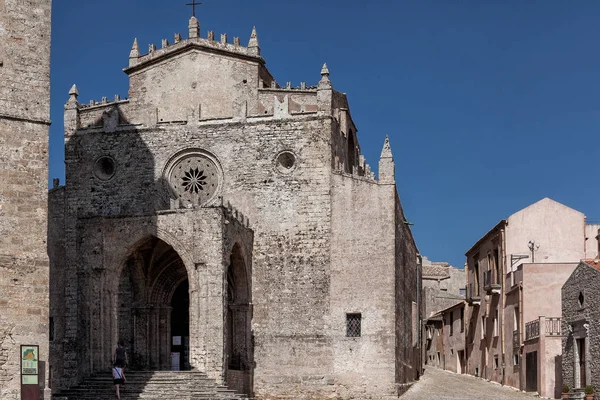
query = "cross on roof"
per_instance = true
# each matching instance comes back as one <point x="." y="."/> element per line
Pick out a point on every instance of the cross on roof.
<point x="194" y="4"/>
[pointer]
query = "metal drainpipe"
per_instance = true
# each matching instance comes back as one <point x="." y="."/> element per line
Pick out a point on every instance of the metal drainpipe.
<point x="521" y="326"/>
<point x="502" y="302"/>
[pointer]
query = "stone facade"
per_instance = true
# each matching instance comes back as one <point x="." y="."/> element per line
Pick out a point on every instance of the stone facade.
<point x="580" y="329"/>
<point x="217" y="206"/>
<point x="443" y="285"/>
<point x="507" y="295"/>
<point x="446" y="339"/>
<point x="24" y="128"/>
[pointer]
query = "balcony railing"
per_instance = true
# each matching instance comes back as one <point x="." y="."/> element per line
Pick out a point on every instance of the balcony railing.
<point x="532" y="329"/>
<point x="551" y="327"/>
<point x="491" y="283"/>
<point x="473" y="294"/>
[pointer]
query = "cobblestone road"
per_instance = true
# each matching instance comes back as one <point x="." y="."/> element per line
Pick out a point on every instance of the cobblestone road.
<point x="442" y="385"/>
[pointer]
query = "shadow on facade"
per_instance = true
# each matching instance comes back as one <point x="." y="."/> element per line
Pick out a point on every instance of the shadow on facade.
<point x="128" y="258"/>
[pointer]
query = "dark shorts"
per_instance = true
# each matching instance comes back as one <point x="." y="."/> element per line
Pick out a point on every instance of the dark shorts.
<point x="118" y="381"/>
<point x="120" y="363"/>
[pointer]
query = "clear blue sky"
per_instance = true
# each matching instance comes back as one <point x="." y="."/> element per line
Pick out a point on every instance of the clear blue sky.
<point x="489" y="105"/>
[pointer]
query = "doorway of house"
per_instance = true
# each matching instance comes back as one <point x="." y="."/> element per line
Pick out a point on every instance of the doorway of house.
<point x="531" y="372"/>
<point x="461" y="362"/>
<point x="581" y="351"/>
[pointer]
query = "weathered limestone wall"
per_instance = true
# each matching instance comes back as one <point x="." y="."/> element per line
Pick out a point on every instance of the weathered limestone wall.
<point x="442" y="285"/>
<point x="217" y="86"/>
<point x="24" y="121"/>
<point x="363" y="263"/>
<point x="289" y="211"/>
<point x="408" y="302"/>
<point x="56" y="255"/>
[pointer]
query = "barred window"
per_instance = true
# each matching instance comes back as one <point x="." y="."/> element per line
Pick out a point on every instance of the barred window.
<point x="353" y="325"/>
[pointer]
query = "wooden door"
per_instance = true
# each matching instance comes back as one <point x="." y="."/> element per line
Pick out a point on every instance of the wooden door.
<point x="531" y="369"/>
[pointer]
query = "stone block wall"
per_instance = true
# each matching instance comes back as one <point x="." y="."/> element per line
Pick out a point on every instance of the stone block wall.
<point x="408" y="302"/>
<point x="24" y="121"/>
<point x="363" y="264"/>
<point x="576" y="314"/>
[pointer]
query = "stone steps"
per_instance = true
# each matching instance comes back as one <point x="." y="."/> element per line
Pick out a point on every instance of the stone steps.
<point x="148" y="385"/>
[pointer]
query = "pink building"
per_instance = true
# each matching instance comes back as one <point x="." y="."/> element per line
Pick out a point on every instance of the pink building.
<point x="514" y="277"/>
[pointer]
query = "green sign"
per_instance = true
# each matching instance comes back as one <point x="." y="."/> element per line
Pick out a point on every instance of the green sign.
<point x="29" y="379"/>
<point x="29" y="361"/>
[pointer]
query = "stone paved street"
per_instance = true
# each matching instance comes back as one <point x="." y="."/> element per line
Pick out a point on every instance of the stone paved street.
<point x="442" y="385"/>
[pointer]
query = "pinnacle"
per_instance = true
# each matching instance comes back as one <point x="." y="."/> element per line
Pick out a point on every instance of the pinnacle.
<point x="253" y="38"/>
<point x="135" y="49"/>
<point x="325" y="70"/>
<point x="73" y="91"/>
<point x="386" y="151"/>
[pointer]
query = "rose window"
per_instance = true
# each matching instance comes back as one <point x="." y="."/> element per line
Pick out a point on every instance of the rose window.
<point x="194" y="178"/>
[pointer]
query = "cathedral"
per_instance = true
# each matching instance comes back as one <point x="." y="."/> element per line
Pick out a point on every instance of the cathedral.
<point x="220" y="222"/>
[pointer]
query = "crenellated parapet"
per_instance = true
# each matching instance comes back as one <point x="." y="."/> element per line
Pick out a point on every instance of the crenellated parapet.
<point x="233" y="214"/>
<point x="137" y="59"/>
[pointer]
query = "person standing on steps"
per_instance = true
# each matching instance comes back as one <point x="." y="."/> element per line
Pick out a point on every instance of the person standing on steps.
<point x="120" y="357"/>
<point x="118" y="378"/>
<point x="118" y="371"/>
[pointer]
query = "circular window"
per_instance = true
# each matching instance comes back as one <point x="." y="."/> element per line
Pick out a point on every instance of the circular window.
<point x="194" y="178"/>
<point x="285" y="162"/>
<point x="105" y="168"/>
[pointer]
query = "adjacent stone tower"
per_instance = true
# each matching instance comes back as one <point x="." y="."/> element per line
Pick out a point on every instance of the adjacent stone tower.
<point x="24" y="123"/>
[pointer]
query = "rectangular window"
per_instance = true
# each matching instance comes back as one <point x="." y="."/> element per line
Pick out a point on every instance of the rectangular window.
<point x="353" y="322"/>
<point x="497" y="265"/>
<point x="451" y="323"/>
<point x="476" y="273"/>
<point x="515" y="359"/>
<point x="516" y="320"/>
<point x="496" y="322"/>
<point x="496" y="362"/>
<point x="462" y="320"/>
<point x="483" y="327"/>
<point x="51" y="329"/>
<point x="462" y="292"/>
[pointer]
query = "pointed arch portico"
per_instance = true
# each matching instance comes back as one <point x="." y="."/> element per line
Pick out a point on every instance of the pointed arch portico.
<point x="138" y="268"/>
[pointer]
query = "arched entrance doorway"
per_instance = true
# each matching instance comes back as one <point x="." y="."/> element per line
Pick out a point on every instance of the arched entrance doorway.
<point x="238" y="337"/>
<point x="153" y="303"/>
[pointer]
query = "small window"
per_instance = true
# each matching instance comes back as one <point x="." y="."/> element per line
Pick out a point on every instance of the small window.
<point x="515" y="359"/>
<point x="496" y="362"/>
<point x="51" y="329"/>
<point x="353" y="322"/>
<point x="483" y="327"/>
<point x="462" y="292"/>
<point x="581" y="299"/>
<point x="496" y="322"/>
